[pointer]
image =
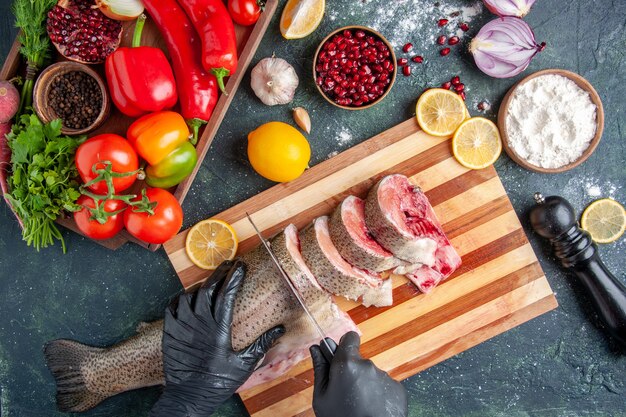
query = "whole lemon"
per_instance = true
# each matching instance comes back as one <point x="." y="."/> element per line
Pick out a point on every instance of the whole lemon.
<point x="278" y="152"/>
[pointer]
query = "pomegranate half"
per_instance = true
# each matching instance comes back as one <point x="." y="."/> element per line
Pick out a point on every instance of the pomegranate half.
<point x="81" y="32"/>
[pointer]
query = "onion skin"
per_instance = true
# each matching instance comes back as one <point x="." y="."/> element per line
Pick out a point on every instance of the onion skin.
<point x="515" y="8"/>
<point x="504" y="47"/>
<point x="123" y="10"/>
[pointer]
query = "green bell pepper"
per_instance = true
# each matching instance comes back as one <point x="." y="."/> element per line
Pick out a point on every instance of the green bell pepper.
<point x="174" y="168"/>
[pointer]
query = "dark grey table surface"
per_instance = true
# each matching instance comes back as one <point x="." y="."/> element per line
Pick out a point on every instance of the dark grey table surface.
<point x="560" y="364"/>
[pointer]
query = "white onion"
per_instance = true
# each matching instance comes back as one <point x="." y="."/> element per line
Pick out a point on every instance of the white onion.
<point x="517" y="8"/>
<point x="504" y="47"/>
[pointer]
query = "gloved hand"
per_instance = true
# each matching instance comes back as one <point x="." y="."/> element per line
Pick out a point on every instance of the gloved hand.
<point x="201" y="368"/>
<point x="351" y="386"/>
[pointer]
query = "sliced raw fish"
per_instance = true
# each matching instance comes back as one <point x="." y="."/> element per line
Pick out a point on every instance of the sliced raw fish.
<point x="354" y="241"/>
<point x="335" y="274"/>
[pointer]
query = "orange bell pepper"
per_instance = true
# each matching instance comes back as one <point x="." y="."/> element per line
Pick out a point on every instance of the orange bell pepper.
<point x="155" y="136"/>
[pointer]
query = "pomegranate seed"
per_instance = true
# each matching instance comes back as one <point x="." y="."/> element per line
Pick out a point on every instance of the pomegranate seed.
<point x="462" y="94"/>
<point x="447" y="85"/>
<point x="347" y="34"/>
<point x="456" y="80"/>
<point x="419" y="59"/>
<point x="483" y="106"/>
<point x="444" y="51"/>
<point x="464" y="26"/>
<point x="453" y="40"/>
<point x="542" y="46"/>
<point x="442" y="22"/>
<point x="407" y="47"/>
<point x="406" y="70"/>
<point x="441" y="40"/>
<point x="459" y="87"/>
<point x="402" y="61"/>
<point x="359" y="34"/>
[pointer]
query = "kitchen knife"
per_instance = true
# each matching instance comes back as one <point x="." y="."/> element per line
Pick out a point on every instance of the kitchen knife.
<point x="327" y="345"/>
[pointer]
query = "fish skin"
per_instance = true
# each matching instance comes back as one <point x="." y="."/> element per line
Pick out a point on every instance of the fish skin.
<point x="371" y="289"/>
<point x="388" y="232"/>
<point x="88" y="375"/>
<point x="349" y="247"/>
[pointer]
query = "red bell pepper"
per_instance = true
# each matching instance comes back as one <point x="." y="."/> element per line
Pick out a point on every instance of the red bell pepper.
<point x="197" y="89"/>
<point x="217" y="31"/>
<point x="140" y="78"/>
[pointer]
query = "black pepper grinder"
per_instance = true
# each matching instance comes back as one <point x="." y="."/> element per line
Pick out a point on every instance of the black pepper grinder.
<point x="554" y="218"/>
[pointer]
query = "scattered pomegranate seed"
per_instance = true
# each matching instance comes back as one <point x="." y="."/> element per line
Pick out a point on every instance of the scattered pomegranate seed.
<point x="464" y="26"/>
<point x="442" y="22"/>
<point x="402" y="61"/>
<point x="459" y="87"/>
<point x="462" y="94"/>
<point x="407" y="47"/>
<point x="447" y="85"/>
<point x="444" y="51"/>
<point x="406" y="70"/>
<point x="419" y="59"/>
<point x="483" y="106"/>
<point x="542" y="46"/>
<point x="442" y="39"/>
<point x="453" y="40"/>
<point x="456" y="80"/>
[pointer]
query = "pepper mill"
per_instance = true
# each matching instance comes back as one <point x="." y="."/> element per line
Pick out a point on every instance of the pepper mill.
<point x="555" y="219"/>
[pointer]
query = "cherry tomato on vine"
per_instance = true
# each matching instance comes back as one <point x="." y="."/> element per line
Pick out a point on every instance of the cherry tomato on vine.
<point x="245" y="12"/>
<point x="112" y="148"/>
<point x="93" y="228"/>
<point x="159" y="227"/>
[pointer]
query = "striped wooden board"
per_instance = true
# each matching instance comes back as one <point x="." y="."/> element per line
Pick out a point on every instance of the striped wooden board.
<point x="499" y="285"/>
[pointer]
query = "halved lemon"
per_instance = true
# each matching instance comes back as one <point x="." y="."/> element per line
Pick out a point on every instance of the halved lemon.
<point x="211" y="242"/>
<point x="440" y="112"/>
<point x="605" y="220"/>
<point x="476" y="143"/>
<point x="301" y="17"/>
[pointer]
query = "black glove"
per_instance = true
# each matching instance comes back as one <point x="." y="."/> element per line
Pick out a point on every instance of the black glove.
<point x="201" y="368"/>
<point x="351" y="386"/>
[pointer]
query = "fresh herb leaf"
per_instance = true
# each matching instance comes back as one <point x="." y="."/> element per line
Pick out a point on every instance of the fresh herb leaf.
<point x="43" y="181"/>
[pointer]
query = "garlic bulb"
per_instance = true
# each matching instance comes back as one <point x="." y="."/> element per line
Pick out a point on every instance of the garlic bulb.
<point x="274" y="81"/>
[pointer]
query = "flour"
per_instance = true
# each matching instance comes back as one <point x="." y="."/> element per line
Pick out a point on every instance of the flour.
<point x="551" y="121"/>
<point x="344" y="137"/>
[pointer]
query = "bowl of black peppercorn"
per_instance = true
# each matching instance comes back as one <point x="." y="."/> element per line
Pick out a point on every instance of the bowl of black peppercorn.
<point x="74" y="93"/>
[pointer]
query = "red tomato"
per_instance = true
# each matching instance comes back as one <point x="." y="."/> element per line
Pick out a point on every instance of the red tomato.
<point x="107" y="147"/>
<point x="162" y="225"/>
<point x="93" y="228"/>
<point x="244" y="12"/>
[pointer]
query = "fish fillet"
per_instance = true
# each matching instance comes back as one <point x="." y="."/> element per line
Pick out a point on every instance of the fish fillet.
<point x="335" y="274"/>
<point x="354" y="241"/>
<point x="402" y="220"/>
<point x="88" y="375"/>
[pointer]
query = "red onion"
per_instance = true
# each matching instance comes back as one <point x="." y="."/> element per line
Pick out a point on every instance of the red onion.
<point x="504" y="47"/>
<point x="517" y="8"/>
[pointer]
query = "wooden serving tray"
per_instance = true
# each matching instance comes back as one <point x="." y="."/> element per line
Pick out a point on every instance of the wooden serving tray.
<point x="248" y="39"/>
<point x="499" y="285"/>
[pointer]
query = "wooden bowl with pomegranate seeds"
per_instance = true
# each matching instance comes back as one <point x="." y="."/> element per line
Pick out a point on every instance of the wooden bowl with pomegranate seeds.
<point x="354" y="67"/>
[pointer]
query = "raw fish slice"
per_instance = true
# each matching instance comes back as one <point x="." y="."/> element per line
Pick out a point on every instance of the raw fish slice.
<point x="354" y="241"/>
<point x="396" y="217"/>
<point x="402" y="220"/>
<point x="335" y="274"/>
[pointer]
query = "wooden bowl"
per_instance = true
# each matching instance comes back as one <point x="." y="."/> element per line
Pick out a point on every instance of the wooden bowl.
<point x="582" y="83"/>
<point x="376" y="35"/>
<point x="42" y="89"/>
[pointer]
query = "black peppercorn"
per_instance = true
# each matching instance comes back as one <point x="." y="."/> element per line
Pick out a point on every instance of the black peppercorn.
<point x="76" y="99"/>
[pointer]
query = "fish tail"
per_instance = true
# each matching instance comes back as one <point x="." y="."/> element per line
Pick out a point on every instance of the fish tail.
<point x="65" y="359"/>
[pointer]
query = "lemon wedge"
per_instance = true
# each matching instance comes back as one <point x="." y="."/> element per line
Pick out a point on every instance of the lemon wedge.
<point x="605" y="220"/>
<point x="440" y="112"/>
<point x="211" y="242"/>
<point x="300" y="18"/>
<point x="476" y="143"/>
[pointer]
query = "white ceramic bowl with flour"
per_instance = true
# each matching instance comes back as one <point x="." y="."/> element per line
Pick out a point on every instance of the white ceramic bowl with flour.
<point x="551" y="121"/>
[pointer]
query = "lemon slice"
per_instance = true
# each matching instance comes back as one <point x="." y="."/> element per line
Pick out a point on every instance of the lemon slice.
<point x="605" y="220"/>
<point x="440" y="112"/>
<point x="301" y="17"/>
<point x="211" y="242"/>
<point x="476" y="143"/>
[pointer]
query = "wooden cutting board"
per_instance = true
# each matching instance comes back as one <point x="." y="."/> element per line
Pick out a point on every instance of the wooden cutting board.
<point x="499" y="285"/>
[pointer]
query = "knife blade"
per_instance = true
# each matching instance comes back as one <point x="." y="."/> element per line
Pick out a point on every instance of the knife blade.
<point x="328" y="345"/>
